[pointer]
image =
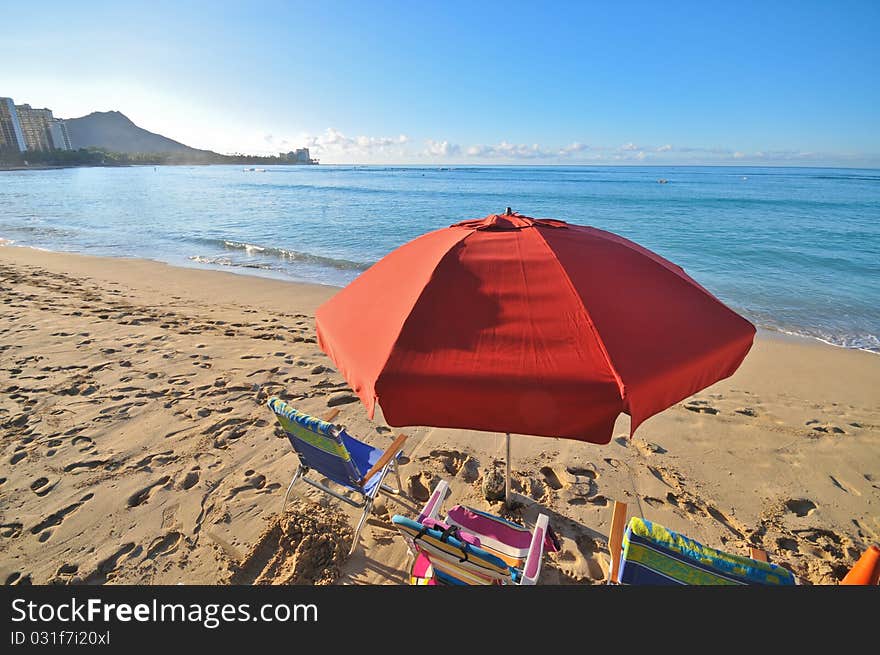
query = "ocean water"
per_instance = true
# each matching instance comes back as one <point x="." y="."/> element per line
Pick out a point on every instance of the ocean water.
<point x="793" y="249"/>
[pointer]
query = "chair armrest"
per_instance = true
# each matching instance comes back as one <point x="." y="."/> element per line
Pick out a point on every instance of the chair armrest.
<point x="329" y="416"/>
<point x="532" y="568"/>
<point x="758" y="554"/>
<point x="615" y="540"/>
<point x="432" y="508"/>
<point x="386" y="457"/>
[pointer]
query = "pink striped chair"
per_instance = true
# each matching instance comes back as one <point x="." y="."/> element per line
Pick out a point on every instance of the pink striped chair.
<point x="469" y="546"/>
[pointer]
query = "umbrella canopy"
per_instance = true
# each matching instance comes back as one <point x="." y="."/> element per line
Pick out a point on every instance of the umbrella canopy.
<point x="539" y="327"/>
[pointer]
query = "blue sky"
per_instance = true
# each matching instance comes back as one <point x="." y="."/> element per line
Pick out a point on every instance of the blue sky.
<point x="793" y="83"/>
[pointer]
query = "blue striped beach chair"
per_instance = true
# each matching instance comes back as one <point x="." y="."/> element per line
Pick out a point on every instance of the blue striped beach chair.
<point x="333" y="453"/>
<point x="649" y="554"/>
<point x="471" y="547"/>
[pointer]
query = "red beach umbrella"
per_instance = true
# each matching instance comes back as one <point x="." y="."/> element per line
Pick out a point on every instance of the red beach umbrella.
<point x="531" y="326"/>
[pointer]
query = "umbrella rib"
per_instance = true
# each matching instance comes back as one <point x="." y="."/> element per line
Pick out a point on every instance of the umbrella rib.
<point x="620" y="385"/>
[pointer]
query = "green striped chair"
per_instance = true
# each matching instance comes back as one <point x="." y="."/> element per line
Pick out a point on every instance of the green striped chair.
<point x="336" y="455"/>
<point x="649" y="554"/>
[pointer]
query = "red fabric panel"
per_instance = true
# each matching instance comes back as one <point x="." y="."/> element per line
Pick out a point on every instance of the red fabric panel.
<point x="358" y="326"/>
<point x="666" y="336"/>
<point x="499" y="341"/>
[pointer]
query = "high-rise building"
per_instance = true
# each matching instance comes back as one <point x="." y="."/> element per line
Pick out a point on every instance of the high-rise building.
<point x="35" y="126"/>
<point x="11" y="135"/>
<point x="298" y="156"/>
<point x="59" y="135"/>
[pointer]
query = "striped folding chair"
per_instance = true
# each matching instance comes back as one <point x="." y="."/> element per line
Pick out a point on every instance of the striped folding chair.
<point x="333" y="453"/>
<point x="472" y="547"/>
<point x="649" y="554"/>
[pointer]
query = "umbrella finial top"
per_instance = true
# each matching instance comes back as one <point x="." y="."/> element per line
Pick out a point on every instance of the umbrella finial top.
<point x="509" y="220"/>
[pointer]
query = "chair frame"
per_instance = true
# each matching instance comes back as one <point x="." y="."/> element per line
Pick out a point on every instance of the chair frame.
<point x="386" y="464"/>
<point x="531" y="569"/>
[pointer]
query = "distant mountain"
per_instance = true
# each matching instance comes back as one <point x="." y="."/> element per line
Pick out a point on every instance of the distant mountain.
<point x="114" y="131"/>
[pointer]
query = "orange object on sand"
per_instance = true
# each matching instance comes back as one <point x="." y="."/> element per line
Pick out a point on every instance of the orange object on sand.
<point x="867" y="570"/>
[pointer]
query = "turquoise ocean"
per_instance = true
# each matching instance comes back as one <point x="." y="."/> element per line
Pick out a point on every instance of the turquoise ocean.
<point x="795" y="250"/>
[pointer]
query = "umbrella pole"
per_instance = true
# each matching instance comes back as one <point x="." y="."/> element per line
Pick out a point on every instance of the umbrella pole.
<point x="507" y="478"/>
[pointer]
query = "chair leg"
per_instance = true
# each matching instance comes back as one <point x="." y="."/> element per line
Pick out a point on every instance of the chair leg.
<point x="384" y="487"/>
<point x="290" y="486"/>
<point x="357" y="532"/>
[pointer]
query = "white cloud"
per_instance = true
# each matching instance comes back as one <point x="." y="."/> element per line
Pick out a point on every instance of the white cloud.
<point x="334" y="145"/>
<point x="333" y="141"/>
<point x="505" y="150"/>
<point x="440" y="148"/>
<point x="573" y="148"/>
<point x="518" y="150"/>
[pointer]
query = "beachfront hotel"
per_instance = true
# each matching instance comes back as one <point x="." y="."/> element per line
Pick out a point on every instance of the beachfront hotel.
<point x="11" y="136"/>
<point x="24" y="128"/>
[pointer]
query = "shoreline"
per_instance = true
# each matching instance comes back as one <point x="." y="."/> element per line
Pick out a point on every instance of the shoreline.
<point x="138" y="447"/>
<point x="766" y="331"/>
<point x="530" y="165"/>
<point x="42" y="167"/>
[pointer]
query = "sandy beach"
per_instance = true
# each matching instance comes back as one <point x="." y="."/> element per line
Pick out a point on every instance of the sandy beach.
<point x="137" y="447"/>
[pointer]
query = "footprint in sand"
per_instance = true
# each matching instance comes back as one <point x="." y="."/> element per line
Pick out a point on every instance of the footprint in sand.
<point x="141" y="496"/>
<point x="191" y="479"/>
<point x="551" y="479"/>
<point x="156" y="459"/>
<point x="88" y="464"/>
<point x="10" y="530"/>
<point x="17" y="578"/>
<point x="649" y="448"/>
<point x="527" y="485"/>
<point x="107" y="567"/>
<point x="253" y="481"/>
<point x="829" y="429"/>
<point x="701" y="407"/>
<point x="83" y="443"/>
<point x="64" y="573"/>
<point x="800" y="506"/>
<point x="421" y="484"/>
<point x="581" y="474"/>
<point x="164" y="545"/>
<point x="41" y="486"/>
<point x="452" y="460"/>
<point x="57" y="517"/>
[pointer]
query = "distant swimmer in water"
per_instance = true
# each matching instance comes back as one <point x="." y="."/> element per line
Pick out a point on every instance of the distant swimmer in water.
<point x="662" y="180"/>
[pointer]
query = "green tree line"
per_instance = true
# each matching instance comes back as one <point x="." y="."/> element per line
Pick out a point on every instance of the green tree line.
<point x="101" y="157"/>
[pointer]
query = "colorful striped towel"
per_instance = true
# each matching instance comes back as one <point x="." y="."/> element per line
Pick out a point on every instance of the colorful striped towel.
<point x="653" y="555"/>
